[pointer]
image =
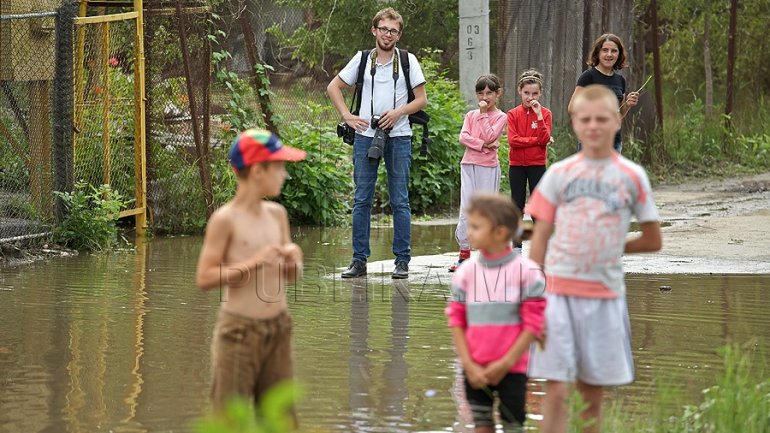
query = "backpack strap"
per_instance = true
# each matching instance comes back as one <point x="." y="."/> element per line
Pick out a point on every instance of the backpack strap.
<point x="404" y="58"/>
<point x="420" y="117"/>
<point x="356" y="102"/>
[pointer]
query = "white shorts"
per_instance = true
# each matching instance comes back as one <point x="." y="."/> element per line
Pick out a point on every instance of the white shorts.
<point x="586" y="339"/>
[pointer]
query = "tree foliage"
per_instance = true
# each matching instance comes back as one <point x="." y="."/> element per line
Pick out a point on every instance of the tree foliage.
<point x="682" y="24"/>
<point x="335" y="29"/>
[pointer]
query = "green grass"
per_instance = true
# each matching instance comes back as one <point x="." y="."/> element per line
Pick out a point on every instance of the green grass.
<point x="271" y="415"/>
<point x="738" y="402"/>
<point x="688" y="148"/>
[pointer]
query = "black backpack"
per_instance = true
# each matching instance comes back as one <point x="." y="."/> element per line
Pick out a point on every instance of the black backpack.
<point x="420" y="117"/>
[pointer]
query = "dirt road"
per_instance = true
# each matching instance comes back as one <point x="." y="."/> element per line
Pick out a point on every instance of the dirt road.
<point x="715" y="226"/>
<point x="719" y="226"/>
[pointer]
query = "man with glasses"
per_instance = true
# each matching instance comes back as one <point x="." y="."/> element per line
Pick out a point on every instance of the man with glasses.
<point x="384" y="94"/>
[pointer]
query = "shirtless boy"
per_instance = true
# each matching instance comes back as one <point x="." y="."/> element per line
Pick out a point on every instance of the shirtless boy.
<point x="248" y="249"/>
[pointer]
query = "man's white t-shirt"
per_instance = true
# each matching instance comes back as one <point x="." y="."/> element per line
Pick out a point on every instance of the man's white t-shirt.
<point x="383" y="89"/>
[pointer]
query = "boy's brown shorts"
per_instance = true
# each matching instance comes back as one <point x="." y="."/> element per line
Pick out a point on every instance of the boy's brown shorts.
<point x="249" y="356"/>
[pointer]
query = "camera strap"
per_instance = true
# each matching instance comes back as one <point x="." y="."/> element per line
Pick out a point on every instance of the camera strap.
<point x="373" y="70"/>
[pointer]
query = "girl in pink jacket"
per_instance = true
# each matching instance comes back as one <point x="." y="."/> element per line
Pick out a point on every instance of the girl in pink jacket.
<point x="479" y="168"/>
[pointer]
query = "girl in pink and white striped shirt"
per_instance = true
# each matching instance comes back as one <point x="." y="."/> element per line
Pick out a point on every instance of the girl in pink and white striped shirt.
<point x="496" y="312"/>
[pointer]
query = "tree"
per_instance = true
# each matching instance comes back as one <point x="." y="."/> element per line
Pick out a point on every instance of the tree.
<point x="335" y="29"/>
<point x="708" y="71"/>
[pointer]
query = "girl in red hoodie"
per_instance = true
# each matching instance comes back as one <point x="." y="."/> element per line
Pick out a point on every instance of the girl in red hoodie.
<point x="529" y="132"/>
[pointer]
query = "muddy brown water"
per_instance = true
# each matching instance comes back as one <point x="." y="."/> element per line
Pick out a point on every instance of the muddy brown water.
<point x="120" y="342"/>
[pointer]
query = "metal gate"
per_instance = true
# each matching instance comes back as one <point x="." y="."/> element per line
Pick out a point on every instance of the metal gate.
<point x="109" y="112"/>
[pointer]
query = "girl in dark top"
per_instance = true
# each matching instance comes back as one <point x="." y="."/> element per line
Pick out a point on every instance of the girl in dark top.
<point x="607" y="56"/>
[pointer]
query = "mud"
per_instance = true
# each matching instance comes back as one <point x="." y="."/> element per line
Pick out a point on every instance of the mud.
<point x="21" y="253"/>
<point x="710" y="226"/>
<point x="719" y="226"/>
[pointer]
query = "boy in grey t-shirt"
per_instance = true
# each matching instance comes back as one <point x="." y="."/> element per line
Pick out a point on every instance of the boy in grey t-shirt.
<point x="586" y="202"/>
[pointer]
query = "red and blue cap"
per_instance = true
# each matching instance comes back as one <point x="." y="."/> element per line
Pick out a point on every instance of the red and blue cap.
<point x="253" y="146"/>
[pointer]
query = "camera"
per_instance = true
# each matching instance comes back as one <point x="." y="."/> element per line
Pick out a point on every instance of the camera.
<point x="347" y="133"/>
<point x="377" y="147"/>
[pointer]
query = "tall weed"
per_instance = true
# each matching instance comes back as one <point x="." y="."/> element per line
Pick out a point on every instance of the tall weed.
<point x="90" y="221"/>
<point x="692" y="144"/>
<point x="434" y="180"/>
<point x="739" y="402"/>
<point x="320" y="189"/>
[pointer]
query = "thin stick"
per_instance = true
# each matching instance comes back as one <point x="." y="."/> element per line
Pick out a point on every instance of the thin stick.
<point x="638" y="91"/>
<point x="645" y="83"/>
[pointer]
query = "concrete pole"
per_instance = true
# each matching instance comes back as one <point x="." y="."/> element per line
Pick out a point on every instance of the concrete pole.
<point x="474" y="45"/>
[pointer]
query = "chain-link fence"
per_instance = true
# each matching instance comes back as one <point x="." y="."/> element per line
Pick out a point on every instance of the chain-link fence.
<point x="213" y="68"/>
<point x="179" y="137"/>
<point x="105" y="106"/>
<point x="27" y="60"/>
<point x="208" y="66"/>
<point x="68" y="110"/>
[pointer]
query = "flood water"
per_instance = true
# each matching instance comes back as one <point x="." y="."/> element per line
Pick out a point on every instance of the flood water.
<point x="120" y="342"/>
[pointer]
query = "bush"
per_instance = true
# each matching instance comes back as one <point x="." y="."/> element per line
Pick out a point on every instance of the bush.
<point x="224" y="182"/>
<point x="754" y="149"/>
<point x="91" y="216"/>
<point x="435" y="176"/>
<point x="320" y="189"/>
<point x="564" y="145"/>
<point x="174" y="194"/>
<point x="434" y="180"/>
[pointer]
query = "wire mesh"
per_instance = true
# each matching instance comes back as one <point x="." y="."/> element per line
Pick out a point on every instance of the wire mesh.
<point x="179" y="136"/>
<point x="27" y="57"/>
<point x="104" y="120"/>
<point x="292" y="82"/>
<point x="190" y="108"/>
<point x="185" y="95"/>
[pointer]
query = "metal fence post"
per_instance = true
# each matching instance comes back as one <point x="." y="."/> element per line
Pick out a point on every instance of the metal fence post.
<point x="63" y="104"/>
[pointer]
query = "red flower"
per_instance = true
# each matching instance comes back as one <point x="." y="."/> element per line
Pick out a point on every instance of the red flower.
<point x="113" y="62"/>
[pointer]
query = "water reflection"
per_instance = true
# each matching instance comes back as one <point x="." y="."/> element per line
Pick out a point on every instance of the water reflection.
<point x="359" y="367"/>
<point x="396" y="369"/>
<point x="77" y="332"/>
<point x="121" y="341"/>
<point x="389" y="413"/>
<point x="140" y="279"/>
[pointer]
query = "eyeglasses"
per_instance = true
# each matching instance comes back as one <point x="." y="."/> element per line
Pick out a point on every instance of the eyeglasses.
<point x="384" y="31"/>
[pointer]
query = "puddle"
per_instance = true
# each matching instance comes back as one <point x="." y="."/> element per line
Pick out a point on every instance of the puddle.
<point x="121" y="341"/>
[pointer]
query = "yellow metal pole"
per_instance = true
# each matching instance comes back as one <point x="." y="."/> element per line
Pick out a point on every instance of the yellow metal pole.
<point x="105" y="65"/>
<point x="79" y="74"/>
<point x="140" y="155"/>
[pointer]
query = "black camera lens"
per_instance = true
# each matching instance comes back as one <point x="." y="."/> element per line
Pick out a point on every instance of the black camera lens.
<point x="377" y="147"/>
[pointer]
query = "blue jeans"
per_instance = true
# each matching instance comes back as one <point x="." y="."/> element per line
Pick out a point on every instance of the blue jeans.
<point x="398" y="159"/>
